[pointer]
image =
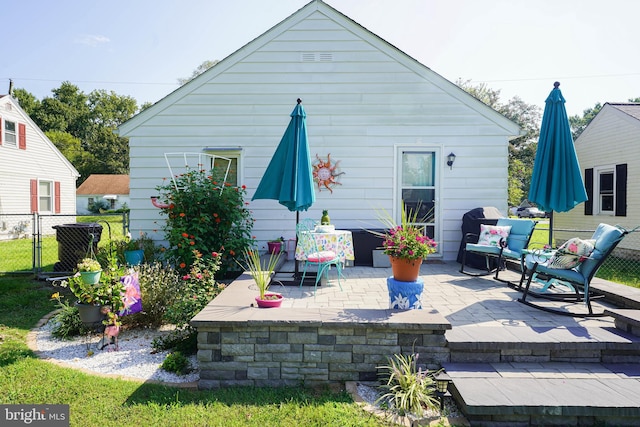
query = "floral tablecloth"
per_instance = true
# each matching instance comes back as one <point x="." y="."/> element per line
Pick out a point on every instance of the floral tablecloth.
<point x="338" y="241"/>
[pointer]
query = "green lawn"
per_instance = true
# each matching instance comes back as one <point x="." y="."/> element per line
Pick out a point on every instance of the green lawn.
<point x="103" y="401"/>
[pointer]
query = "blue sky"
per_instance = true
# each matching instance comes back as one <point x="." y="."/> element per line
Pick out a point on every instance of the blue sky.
<point x="141" y="47"/>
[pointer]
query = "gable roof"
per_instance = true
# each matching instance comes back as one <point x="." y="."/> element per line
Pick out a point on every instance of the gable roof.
<point x="7" y="99"/>
<point x="104" y="184"/>
<point x="313" y="7"/>
<point x="630" y="108"/>
<point x="627" y="111"/>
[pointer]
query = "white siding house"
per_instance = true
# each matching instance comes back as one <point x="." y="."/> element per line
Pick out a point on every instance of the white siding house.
<point x="389" y="120"/>
<point x="34" y="176"/>
<point x="109" y="189"/>
<point x="609" y="155"/>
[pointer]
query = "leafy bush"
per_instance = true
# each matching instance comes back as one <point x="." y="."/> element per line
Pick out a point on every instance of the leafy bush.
<point x="206" y="214"/>
<point x="176" y="362"/>
<point x="198" y="287"/>
<point x="183" y="340"/>
<point x="99" y="206"/>
<point x="67" y="321"/>
<point x="159" y="286"/>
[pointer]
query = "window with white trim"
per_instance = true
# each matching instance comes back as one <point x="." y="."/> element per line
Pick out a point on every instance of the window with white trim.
<point x="221" y="160"/>
<point x="605" y="181"/>
<point x="45" y="196"/>
<point x="10" y="134"/>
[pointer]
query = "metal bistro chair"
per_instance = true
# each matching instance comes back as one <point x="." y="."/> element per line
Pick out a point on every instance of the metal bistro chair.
<point x="511" y="249"/>
<point x="314" y="256"/>
<point x="606" y="237"/>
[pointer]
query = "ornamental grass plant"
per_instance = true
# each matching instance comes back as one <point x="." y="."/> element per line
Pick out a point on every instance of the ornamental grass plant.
<point x="260" y="272"/>
<point x="407" y="239"/>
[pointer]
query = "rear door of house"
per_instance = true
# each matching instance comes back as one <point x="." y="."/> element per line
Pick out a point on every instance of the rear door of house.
<point x="417" y="186"/>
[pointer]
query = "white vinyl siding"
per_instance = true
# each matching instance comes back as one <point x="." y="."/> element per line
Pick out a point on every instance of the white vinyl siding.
<point x="610" y="139"/>
<point x="39" y="160"/>
<point x="362" y="97"/>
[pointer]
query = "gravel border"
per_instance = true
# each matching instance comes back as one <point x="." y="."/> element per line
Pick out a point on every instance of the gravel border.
<point x="133" y="360"/>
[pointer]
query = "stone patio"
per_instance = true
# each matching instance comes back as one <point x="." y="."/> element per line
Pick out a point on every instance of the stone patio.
<point x="511" y="364"/>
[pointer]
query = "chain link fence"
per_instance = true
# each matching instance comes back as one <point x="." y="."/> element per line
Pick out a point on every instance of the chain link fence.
<point x="53" y="244"/>
<point x="622" y="266"/>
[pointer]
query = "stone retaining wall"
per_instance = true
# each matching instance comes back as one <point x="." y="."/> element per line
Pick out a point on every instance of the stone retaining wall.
<point x="242" y="345"/>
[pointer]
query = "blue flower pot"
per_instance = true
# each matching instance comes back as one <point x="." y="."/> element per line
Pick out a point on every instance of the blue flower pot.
<point x="405" y="295"/>
<point x="134" y="257"/>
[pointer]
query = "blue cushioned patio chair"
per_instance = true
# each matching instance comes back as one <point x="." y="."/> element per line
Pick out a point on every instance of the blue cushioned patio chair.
<point x="323" y="260"/>
<point x="517" y="241"/>
<point x="575" y="280"/>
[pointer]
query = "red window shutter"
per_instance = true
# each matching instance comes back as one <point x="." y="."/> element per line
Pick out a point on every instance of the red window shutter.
<point x="22" y="136"/>
<point x="57" y="196"/>
<point x="34" y="195"/>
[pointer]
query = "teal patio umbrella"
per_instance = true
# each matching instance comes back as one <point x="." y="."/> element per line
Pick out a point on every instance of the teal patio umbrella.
<point x="556" y="182"/>
<point x="289" y="177"/>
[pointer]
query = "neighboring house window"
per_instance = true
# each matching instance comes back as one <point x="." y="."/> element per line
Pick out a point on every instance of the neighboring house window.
<point x="606" y="190"/>
<point x="10" y="134"/>
<point x="606" y="195"/>
<point x="90" y="202"/>
<point x="45" y="196"/>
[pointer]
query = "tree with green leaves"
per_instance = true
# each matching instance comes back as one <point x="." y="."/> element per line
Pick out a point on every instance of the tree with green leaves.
<point x="83" y="126"/>
<point x="201" y="69"/>
<point x="522" y="150"/>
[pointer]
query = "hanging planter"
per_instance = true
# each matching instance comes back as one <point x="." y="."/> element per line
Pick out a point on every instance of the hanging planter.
<point x="91" y="277"/>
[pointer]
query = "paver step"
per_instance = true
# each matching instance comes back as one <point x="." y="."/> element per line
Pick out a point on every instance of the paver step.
<point x="493" y="344"/>
<point x="513" y="394"/>
<point x="626" y="319"/>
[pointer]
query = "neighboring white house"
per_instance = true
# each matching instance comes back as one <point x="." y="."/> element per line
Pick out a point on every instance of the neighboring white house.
<point x="609" y="156"/>
<point x="388" y="120"/>
<point x="34" y="176"/>
<point x="112" y="189"/>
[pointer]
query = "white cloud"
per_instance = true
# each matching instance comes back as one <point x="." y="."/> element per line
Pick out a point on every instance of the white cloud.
<point x="92" y="40"/>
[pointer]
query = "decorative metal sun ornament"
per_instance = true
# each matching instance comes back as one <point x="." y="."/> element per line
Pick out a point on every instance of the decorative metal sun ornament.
<point x="326" y="174"/>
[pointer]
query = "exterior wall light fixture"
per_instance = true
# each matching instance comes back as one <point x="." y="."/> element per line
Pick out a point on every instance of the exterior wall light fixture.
<point x="450" y="159"/>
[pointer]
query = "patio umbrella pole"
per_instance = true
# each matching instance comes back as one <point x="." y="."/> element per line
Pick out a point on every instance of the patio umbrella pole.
<point x="551" y="229"/>
<point x="295" y="262"/>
